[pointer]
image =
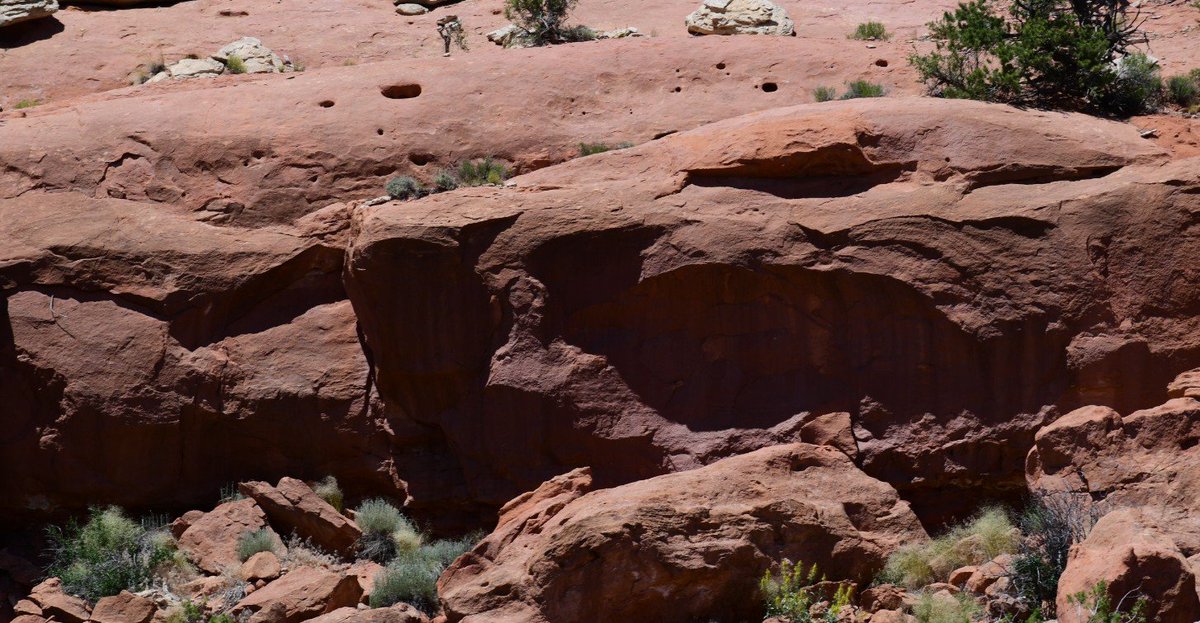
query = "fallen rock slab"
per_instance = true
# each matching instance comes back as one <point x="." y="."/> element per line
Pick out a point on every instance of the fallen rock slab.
<point x="211" y="542"/>
<point x="124" y="608"/>
<point x="680" y="547"/>
<point x="57" y="604"/>
<point x="399" y="613"/>
<point x="293" y="507"/>
<point x="301" y="594"/>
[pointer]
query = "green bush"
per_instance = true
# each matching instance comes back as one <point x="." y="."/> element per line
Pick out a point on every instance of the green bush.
<point x="404" y="187"/>
<point x="378" y="516"/>
<point x="1183" y="91"/>
<point x="1051" y="524"/>
<point x="482" y="172"/>
<point x="787" y="594"/>
<point x="412" y="576"/>
<point x="824" y="94"/>
<point x="1063" y="54"/>
<point x="235" y="65"/>
<point x="445" y="181"/>
<point x="988" y="535"/>
<point x="254" y="541"/>
<point x="1097" y="606"/>
<point x="188" y="611"/>
<point x="386" y="532"/>
<point x="26" y="104"/>
<point x="327" y="489"/>
<point x="108" y="554"/>
<point x="862" y="88"/>
<point x="589" y="149"/>
<point x="544" y="21"/>
<point x="870" y="31"/>
<point x="937" y="609"/>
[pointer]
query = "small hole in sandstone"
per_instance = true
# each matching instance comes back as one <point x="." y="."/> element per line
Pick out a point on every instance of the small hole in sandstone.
<point x="420" y="159"/>
<point x="770" y="87"/>
<point x="326" y="104"/>
<point x="379" y="131"/>
<point x="720" y="65"/>
<point x="678" y="89"/>
<point x="881" y="63"/>
<point x="401" y="91"/>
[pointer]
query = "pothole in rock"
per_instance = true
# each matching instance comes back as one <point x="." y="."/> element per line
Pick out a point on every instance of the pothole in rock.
<point x="401" y="91"/>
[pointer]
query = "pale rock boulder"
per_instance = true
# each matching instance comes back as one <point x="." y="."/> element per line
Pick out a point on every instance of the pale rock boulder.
<point x="740" y="17"/>
<point x="399" y="613"/>
<point x="509" y="36"/>
<point x="188" y="68"/>
<point x="257" y="58"/>
<point x="679" y="547"/>
<point x="17" y="11"/>
<point x="408" y="8"/>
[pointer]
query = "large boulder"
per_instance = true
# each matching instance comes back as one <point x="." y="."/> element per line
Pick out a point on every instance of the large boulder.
<point x="658" y="308"/>
<point x="124" y="608"/>
<point x="57" y="604"/>
<point x="301" y="594"/>
<point x="16" y="11"/>
<point x="1135" y="558"/>
<point x="293" y="507"/>
<point x="740" y="17"/>
<point x="211" y="542"/>
<point x="256" y="58"/>
<point x="680" y="547"/>
<point x="1148" y="459"/>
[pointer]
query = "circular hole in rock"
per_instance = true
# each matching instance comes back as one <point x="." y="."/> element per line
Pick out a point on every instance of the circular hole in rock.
<point x="401" y="91"/>
<point x="881" y="63"/>
<point x="420" y="159"/>
<point x="678" y="89"/>
<point x="325" y="103"/>
<point x="379" y="131"/>
<point x="770" y="87"/>
<point x="720" y="65"/>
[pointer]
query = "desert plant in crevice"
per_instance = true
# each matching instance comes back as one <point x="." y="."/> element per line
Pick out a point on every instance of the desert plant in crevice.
<point x="412" y="575"/>
<point x="1050" y="525"/>
<point x="252" y="542"/>
<point x="870" y="31"/>
<point x="544" y="21"/>
<point x="788" y="593"/>
<point x="862" y="88"/>
<point x="404" y="188"/>
<point x="386" y="532"/>
<point x="989" y="534"/>
<point x="327" y="489"/>
<point x="1065" y="54"/>
<point x="107" y="554"/>
<point x="482" y="172"/>
<point x="1097" y="606"/>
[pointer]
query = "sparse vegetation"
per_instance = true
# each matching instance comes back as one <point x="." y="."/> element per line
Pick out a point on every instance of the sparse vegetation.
<point x="824" y="94"/>
<point x="302" y="553"/>
<point x="988" y="535"/>
<point x="26" y="104"/>
<point x="327" y="489"/>
<point x="544" y="21"/>
<point x="404" y="188"/>
<point x="235" y="65"/>
<point x="412" y="575"/>
<point x="255" y="541"/>
<point x="107" y="554"/>
<point x="870" y="31"/>
<point x="1051" y="524"/>
<point x="862" y="88"/>
<point x="1066" y="54"/>
<point x="942" y="609"/>
<point x="1097" y="606"/>
<point x="387" y="533"/>
<point x="1183" y="91"/>
<point x="482" y="172"/>
<point x="445" y="181"/>
<point x="788" y="594"/>
<point x="230" y="493"/>
<point x="589" y="149"/>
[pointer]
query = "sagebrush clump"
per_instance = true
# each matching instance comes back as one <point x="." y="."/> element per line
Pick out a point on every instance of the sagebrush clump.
<point x="870" y="31"/>
<point x="824" y="94"/>
<point x="404" y="187"/>
<point x="107" y="554"/>
<point x="482" y="172"/>
<point x="254" y="541"/>
<point x="235" y="65"/>
<point x="412" y="575"/>
<point x="988" y="535"/>
<point x="862" y="88"/>
<point x="386" y="532"/>
<point x="327" y="489"/>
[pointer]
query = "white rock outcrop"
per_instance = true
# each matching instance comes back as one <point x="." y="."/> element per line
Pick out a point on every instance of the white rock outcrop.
<point x="740" y="17"/>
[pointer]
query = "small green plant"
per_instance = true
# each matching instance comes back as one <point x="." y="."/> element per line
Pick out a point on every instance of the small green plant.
<point x="544" y="21"/>
<point x="862" y="88"/>
<point x="254" y="541"/>
<point x="235" y="65"/>
<point x="404" y="188"/>
<point x="412" y="575"/>
<point x="870" y="31"/>
<point x="1183" y="91"/>
<point x="1097" y="606"/>
<point x="188" y="611"/>
<point x="26" y="104"/>
<point x="1051" y="524"/>
<point x="942" y="609"/>
<point x="824" y="94"/>
<point x="481" y="172"/>
<point x="327" y="489"/>
<point x="788" y="593"/>
<point x="107" y="554"/>
<point x="988" y="535"/>
<point x="445" y="181"/>
<point x="589" y="149"/>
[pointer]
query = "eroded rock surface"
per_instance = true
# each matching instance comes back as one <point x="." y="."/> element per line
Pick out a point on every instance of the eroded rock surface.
<point x="679" y="547"/>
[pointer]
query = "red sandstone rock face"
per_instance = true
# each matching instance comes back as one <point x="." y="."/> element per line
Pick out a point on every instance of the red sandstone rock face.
<point x="293" y="507"/>
<point x="680" y="547"/>
<point x="301" y="594"/>
<point x="951" y="274"/>
<point x="1136" y="558"/>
